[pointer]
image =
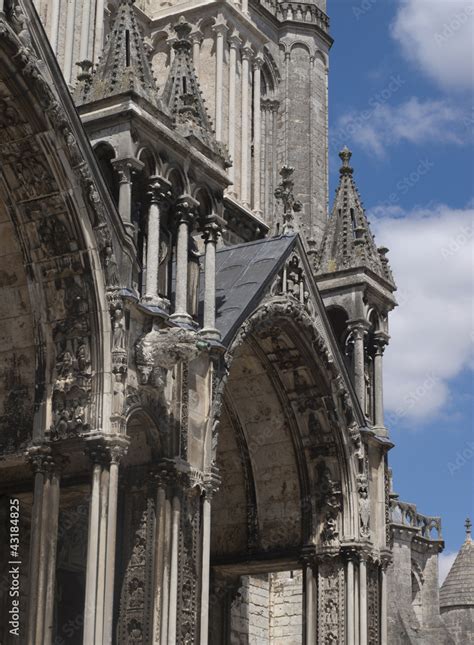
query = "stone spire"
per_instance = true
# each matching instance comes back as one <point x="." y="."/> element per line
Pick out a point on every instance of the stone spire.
<point x="182" y="95"/>
<point x="348" y="242"/>
<point x="458" y="588"/>
<point x="124" y="67"/>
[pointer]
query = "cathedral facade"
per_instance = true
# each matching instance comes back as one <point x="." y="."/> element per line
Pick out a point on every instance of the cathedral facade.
<point x="191" y="395"/>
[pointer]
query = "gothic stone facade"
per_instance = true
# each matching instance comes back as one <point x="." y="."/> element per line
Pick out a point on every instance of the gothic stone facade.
<point x="191" y="360"/>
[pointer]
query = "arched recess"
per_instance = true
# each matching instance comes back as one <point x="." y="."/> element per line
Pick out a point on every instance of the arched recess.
<point x="50" y="201"/>
<point x="286" y="461"/>
<point x="104" y="153"/>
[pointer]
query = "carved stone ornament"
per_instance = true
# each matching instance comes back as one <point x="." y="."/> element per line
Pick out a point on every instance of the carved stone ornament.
<point x="292" y="281"/>
<point x="162" y="349"/>
<point x="364" y="506"/>
<point x="329" y="503"/>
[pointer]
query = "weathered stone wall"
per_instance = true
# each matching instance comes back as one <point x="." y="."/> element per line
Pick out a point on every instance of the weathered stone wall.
<point x="268" y="610"/>
<point x="286" y="608"/>
<point x="460" y="623"/>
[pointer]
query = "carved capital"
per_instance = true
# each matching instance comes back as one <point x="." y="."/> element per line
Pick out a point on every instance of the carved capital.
<point x="106" y="450"/>
<point x="258" y="61"/>
<point x="220" y="25"/>
<point x="159" y="190"/>
<point x="42" y="459"/>
<point x="247" y="51"/>
<point x="125" y="166"/>
<point x="212" y="230"/>
<point x="185" y="209"/>
<point x="196" y="36"/>
<point x="235" y="41"/>
<point x="380" y="342"/>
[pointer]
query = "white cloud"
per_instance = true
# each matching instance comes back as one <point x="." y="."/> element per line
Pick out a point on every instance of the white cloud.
<point x="437" y="36"/>
<point x="413" y="121"/>
<point x="431" y="254"/>
<point x="445" y="562"/>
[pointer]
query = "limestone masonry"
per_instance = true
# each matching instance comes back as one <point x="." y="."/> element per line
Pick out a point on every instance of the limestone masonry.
<point x="192" y="436"/>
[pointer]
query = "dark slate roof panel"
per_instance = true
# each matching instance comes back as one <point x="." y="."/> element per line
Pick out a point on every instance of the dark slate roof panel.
<point x="242" y="273"/>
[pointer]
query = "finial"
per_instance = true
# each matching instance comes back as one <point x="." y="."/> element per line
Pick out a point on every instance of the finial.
<point x="468" y="525"/>
<point x="182" y="29"/>
<point x="284" y="193"/>
<point x="345" y="156"/>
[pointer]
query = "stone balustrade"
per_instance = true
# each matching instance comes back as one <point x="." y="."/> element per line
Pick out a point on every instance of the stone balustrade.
<point x="405" y="514"/>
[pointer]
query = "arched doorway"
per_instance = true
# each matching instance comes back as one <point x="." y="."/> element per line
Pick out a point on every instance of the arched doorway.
<point x="287" y="484"/>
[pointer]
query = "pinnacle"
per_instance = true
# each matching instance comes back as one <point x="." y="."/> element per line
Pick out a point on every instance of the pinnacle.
<point x="124" y="65"/>
<point x="348" y="242"/>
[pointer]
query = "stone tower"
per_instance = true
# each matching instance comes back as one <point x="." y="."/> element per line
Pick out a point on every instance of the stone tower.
<point x="457" y="593"/>
<point x="262" y="68"/>
<point x="357" y="286"/>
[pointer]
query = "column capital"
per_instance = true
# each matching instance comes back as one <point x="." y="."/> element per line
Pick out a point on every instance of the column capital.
<point x="196" y="36"/>
<point x="159" y="189"/>
<point x="235" y="41"/>
<point x="124" y="166"/>
<point x="185" y="209"/>
<point x="247" y="51"/>
<point x="380" y="341"/>
<point x="258" y="61"/>
<point x="211" y="229"/>
<point x="359" y="326"/>
<point x="43" y="459"/>
<point x="309" y="556"/>
<point x="220" y="26"/>
<point x="105" y="450"/>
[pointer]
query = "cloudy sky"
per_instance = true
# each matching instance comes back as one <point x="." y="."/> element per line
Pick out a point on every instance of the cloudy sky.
<point x="401" y="90"/>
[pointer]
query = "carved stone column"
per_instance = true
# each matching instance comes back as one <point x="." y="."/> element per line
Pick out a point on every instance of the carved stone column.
<point x="84" y="49"/>
<point x="234" y="43"/>
<point x="310" y="595"/>
<point x="359" y="330"/>
<point x="220" y="29"/>
<point x="196" y="37"/>
<point x="185" y="212"/>
<point x="54" y="29"/>
<point x="257" y="66"/>
<point x="350" y="602"/>
<point x="43" y="545"/>
<point x="69" y="40"/>
<point x="210" y="235"/>
<point x="362" y="599"/>
<point x="211" y="486"/>
<point x="105" y="454"/>
<point x="247" y="54"/>
<point x="124" y="168"/>
<point x="160" y="193"/>
<point x="380" y="342"/>
<point x="99" y="30"/>
<point x="383" y="604"/>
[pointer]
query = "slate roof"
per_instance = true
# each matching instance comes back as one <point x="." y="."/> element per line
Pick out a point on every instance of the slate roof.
<point x="458" y="588"/>
<point x="243" y="272"/>
<point x="348" y="242"/>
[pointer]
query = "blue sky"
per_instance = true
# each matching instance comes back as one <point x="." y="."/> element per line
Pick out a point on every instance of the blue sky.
<point x="401" y="97"/>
